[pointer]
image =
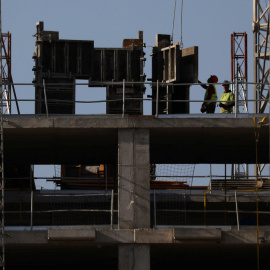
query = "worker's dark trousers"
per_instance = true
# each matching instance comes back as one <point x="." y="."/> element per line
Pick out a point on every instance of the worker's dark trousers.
<point x="210" y="108"/>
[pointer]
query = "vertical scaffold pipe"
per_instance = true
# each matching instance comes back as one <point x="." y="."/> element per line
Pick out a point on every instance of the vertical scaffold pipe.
<point x="112" y="211"/>
<point x="123" y="109"/>
<point x="2" y="152"/>
<point x="204" y="206"/>
<point x="32" y="209"/>
<point x="236" y="210"/>
<point x="155" y="209"/>
<point x="236" y="98"/>
<point x="45" y="97"/>
<point x="157" y="98"/>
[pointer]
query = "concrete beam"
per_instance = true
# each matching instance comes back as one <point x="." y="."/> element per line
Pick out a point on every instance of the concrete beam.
<point x="26" y="237"/>
<point x="197" y="235"/>
<point x="151" y="236"/>
<point x="115" y="236"/>
<point x="174" y="236"/>
<point x="72" y="234"/>
<point x="172" y="140"/>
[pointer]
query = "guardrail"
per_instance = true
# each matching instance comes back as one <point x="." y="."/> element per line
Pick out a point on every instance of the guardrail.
<point x="172" y="208"/>
<point x="123" y="85"/>
<point x="168" y="208"/>
<point x="36" y="208"/>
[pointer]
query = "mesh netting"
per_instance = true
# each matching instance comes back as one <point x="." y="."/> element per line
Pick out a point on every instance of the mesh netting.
<point x="175" y="172"/>
<point x="169" y="207"/>
<point x="57" y="170"/>
<point x="81" y="209"/>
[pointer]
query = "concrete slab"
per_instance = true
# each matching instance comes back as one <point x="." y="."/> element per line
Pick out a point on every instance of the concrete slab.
<point x="153" y="236"/>
<point x="115" y="236"/>
<point x="26" y="237"/>
<point x="197" y="235"/>
<point x="72" y="234"/>
<point x="174" y="236"/>
<point x="172" y="140"/>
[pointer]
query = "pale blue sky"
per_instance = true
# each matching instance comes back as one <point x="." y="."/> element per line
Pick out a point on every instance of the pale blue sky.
<point x="207" y="24"/>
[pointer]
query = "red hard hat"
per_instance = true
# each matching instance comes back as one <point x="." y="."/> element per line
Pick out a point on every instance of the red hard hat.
<point x="214" y="78"/>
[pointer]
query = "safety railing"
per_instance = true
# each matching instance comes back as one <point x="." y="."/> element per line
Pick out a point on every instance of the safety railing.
<point x="60" y="208"/>
<point x="124" y="98"/>
<point x="183" y="208"/>
<point x="167" y="207"/>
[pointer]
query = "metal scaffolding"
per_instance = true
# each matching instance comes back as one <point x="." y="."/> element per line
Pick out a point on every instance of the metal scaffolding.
<point x="260" y="27"/>
<point x="6" y="86"/>
<point x="2" y="257"/>
<point x="239" y="75"/>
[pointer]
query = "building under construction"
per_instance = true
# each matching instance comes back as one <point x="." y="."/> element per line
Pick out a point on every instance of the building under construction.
<point x="113" y="209"/>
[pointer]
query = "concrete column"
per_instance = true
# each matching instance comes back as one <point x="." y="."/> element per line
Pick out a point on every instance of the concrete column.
<point x="133" y="195"/>
<point x="135" y="257"/>
<point x="133" y="179"/>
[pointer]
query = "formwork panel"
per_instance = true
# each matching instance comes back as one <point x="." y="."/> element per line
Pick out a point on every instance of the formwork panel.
<point x="60" y="49"/>
<point x="108" y="64"/>
<point x="86" y="57"/>
<point x="115" y="96"/>
<point x="67" y="58"/>
<point x="64" y="60"/>
<point x="46" y="56"/>
<point x="116" y="64"/>
<point x="172" y="65"/>
<point x="189" y="65"/>
<point x="60" y="95"/>
<point x="122" y="63"/>
<point x="72" y="57"/>
<point x="97" y="65"/>
<point x="171" y="72"/>
<point x="135" y="69"/>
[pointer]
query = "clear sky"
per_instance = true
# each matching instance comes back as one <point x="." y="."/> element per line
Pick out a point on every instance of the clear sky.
<point x="207" y="24"/>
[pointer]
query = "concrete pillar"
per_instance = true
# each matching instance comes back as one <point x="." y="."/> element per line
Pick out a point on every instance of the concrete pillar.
<point x="135" y="257"/>
<point x="133" y="195"/>
<point x="133" y="179"/>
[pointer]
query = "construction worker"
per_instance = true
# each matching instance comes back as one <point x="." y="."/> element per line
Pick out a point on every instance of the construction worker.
<point x="210" y="96"/>
<point x="227" y="99"/>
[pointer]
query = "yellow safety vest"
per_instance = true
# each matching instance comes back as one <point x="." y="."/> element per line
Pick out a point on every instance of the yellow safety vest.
<point x="214" y="96"/>
<point x="225" y="99"/>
